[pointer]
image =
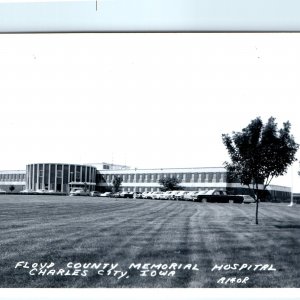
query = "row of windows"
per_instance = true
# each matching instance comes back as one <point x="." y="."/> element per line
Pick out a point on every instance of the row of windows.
<point x="183" y="177"/>
<point x="12" y="177"/>
<point x="57" y="176"/>
<point x="68" y="173"/>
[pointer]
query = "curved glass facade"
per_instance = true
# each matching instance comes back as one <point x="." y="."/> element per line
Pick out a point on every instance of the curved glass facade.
<point x="59" y="177"/>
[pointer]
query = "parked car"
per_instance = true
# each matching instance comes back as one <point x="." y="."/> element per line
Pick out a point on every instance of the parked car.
<point x="137" y="195"/>
<point x="79" y="192"/>
<point x="156" y="195"/>
<point x="172" y="196"/>
<point x="115" y="195"/>
<point x="144" y="195"/>
<point x="25" y="191"/>
<point x="126" y="194"/>
<point x="189" y="195"/>
<point x="247" y="199"/>
<point x="219" y="197"/>
<point x="149" y="195"/>
<point x="166" y="194"/>
<point x="41" y="191"/>
<point x="195" y="196"/>
<point x="106" y="194"/>
<point x="94" y="194"/>
<point x="130" y="194"/>
<point x="2" y="192"/>
<point x="180" y="195"/>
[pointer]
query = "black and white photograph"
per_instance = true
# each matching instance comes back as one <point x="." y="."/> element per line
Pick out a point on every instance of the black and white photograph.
<point x="149" y="149"/>
<point x="149" y="161"/>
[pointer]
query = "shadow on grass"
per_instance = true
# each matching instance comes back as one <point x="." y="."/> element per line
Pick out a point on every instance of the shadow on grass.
<point x="290" y="226"/>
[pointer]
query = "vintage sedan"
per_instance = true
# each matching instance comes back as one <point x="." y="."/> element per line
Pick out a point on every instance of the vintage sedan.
<point x="219" y="196"/>
<point x="94" y="194"/>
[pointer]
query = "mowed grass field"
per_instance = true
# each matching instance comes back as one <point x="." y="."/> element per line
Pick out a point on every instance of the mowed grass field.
<point x="124" y="231"/>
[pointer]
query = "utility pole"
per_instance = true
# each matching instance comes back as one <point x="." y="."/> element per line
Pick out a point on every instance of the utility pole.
<point x="292" y="196"/>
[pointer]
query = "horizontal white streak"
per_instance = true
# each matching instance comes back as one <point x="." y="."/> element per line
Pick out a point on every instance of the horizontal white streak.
<point x="13" y="172"/>
<point x="165" y="171"/>
<point x="12" y="183"/>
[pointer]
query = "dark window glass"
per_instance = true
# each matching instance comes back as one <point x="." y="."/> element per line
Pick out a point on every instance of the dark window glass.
<point x="66" y="170"/>
<point x="84" y="178"/>
<point x="52" y="175"/>
<point x="72" y="173"/>
<point x="35" y="175"/>
<point x="41" y="171"/>
<point x="76" y="173"/>
<point x="46" y="174"/>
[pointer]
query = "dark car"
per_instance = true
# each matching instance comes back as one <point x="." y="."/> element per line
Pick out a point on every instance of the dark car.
<point x="126" y="195"/>
<point x="219" y="196"/>
<point x="137" y="195"/>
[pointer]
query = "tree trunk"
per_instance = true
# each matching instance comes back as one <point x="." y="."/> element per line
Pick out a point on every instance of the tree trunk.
<point x="256" y="214"/>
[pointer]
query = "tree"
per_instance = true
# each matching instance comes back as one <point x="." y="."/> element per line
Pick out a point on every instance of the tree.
<point x="117" y="182"/>
<point x="169" y="183"/>
<point x="260" y="153"/>
<point x="85" y="187"/>
<point x="11" y="188"/>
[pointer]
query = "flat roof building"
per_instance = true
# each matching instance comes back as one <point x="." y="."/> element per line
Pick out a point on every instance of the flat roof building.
<point x="60" y="178"/>
<point x="191" y="179"/>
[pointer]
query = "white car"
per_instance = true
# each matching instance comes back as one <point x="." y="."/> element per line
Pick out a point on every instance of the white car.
<point x="25" y="191"/>
<point x="41" y="191"/>
<point x="148" y="195"/>
<point x="156" y="195"/>
<point x="79" y="192"/>
<point x="106" y="194"/>
<point x="189" y="196"/>
<point x="166" y="194"/>
<point x="248" y="199"/>
<point x="2" y="192"/>
<point x="172" y="195"/>
<point x="94" y="194"/>
<point x="144" y="195"/>
<point x="180" y="195"/>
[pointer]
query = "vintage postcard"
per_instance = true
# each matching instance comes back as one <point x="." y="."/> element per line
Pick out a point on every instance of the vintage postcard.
<point x="146" y="160"/>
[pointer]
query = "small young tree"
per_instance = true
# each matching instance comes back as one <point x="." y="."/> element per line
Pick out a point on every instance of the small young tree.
<point x="11" y="188"/>
<point x="260" y="153"/>
<point x="85" y="187"/>
<point x="169" y="183"/>
<point x="117" y="182"/>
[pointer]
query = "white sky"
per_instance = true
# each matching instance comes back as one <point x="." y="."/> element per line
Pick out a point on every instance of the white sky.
<point x="146" y="100"/>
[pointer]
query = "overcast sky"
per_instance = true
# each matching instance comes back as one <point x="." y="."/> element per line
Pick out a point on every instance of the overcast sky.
<point x="145" y="100"/>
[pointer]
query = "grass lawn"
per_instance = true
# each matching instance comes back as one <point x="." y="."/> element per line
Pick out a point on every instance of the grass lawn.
<point x="40" y="229"/>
